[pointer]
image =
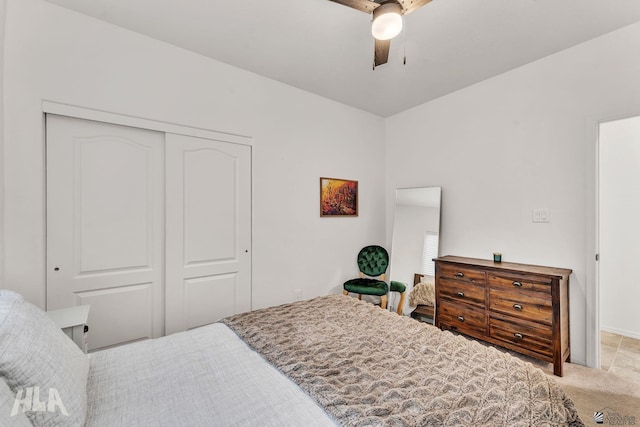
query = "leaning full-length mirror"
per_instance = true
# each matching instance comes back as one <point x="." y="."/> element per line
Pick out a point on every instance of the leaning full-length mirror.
<point x="416" y="237"/>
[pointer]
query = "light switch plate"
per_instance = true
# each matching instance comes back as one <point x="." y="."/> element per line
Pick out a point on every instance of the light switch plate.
<point x="541" y="215"/>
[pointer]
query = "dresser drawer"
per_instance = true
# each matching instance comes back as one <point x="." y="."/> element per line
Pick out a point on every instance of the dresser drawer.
<point x="462" y="318"/>
<point x="528" y="305"/>
<point x="531" y="336"/>
<point x="462" y="291"/>
<point x="518" y="282"/>
<point x="462" y="274"/>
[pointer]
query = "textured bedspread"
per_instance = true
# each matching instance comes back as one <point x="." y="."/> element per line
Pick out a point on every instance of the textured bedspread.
<point x="370" y="367"/>
<point x="202" y="377"/>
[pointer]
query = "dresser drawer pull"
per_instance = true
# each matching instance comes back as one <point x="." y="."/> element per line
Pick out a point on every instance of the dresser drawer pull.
<point x="460" y="294"/>
<point x="518" y="284"/>
<point x="459" y="274"/>
<point x="517" y="335"/>
<point x="460" y="318"/>
<point x="517" y="306"/>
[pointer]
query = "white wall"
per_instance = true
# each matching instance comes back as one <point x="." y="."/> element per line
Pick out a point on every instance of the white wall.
<point x="2" y="25"/>
<point x="58" y="55"/>
<point x="619" y="186"/>
<point x="520" y="141"/>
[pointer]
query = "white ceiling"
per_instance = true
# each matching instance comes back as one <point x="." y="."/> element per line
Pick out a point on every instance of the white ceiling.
<point x="326" y="48"/>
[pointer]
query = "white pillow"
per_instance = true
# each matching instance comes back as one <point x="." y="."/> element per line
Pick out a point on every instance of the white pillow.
<point x="41" y="365"/>
<point x="7" y="417"/>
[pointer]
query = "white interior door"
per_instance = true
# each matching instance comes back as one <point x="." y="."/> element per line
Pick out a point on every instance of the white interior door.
<point x="208" y="231"/>
<point x="105" y="226"/>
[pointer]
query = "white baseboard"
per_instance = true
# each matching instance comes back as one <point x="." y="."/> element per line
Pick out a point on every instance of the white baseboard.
<point x="578" y="362"/>
<point x="624" y="333"/>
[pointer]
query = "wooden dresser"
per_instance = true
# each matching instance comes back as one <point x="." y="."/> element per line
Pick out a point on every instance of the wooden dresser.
<point x="521" y="307"/>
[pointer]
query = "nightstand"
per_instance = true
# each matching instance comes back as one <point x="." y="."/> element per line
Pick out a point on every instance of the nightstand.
<point x="73" y="322"/>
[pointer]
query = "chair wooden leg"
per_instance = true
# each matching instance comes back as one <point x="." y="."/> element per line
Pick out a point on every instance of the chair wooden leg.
<point x="359" y="296"/>
<point x="383" y="302"/>
<point x="345" y="293"/>
<point x="401" y="303"/>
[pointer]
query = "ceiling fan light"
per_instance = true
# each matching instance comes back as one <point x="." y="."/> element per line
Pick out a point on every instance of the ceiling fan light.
<point x="387" y="21"/>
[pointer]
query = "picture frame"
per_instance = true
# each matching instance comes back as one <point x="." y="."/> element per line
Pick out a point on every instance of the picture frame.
<point x="338" y="197"/>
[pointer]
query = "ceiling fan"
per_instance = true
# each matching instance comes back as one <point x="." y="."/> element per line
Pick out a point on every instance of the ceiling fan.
<point x="386" y="21"/>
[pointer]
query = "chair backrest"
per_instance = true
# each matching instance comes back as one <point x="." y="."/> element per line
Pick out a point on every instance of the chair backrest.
<point x="373" y="260"/>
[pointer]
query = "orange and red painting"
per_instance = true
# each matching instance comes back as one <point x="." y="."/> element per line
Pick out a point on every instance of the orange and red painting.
<point x="338" y="197"/>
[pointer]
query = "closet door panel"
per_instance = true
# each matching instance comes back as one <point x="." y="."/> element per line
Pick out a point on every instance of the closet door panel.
<point x="209" y="298"/>
<point x="133" y="318"/>
<point x="105" y="226"/>
<point x="209" y="206"/>
<point x="208" y="231"/>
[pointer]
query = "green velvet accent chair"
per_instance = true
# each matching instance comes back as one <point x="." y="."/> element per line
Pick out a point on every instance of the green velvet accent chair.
<point x="373" y="262"/>
<point x="401" y="289"/>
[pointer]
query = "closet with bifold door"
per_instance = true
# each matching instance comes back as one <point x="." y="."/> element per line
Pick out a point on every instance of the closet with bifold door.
<point x="151" y="228"/>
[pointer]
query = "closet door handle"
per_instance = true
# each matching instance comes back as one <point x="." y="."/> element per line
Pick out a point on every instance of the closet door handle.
<point x="459" y="274"/>
<point x="517" y="306"/>
<point x="460" y="294"/>
<point x="460" y="318"/>
<point x="518" y="284"/>
<point x="517" y="335"/>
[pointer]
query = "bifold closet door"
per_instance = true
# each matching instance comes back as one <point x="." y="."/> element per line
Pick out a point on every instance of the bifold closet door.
<point x="208" y="231"/>
<point x="105" y="226"/>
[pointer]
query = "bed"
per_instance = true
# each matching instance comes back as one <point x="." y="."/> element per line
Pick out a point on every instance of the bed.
<point x="423" y="297"/>
<point x="332" y="360"/>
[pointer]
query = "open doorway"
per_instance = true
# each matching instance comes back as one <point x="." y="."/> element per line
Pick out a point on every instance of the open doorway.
<point x="619" y="245"/>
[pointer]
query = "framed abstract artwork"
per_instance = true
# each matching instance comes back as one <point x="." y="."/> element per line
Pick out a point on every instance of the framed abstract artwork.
<point x="338" y="197"/>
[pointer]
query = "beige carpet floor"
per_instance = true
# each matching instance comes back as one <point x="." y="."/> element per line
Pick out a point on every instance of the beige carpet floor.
<point x="595" y="390"/>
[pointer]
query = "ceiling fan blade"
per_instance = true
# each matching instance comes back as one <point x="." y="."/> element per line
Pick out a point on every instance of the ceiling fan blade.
<point x="381" y="52"/>
<point x="365" y="6"/>
<point x="410" y="5"/>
